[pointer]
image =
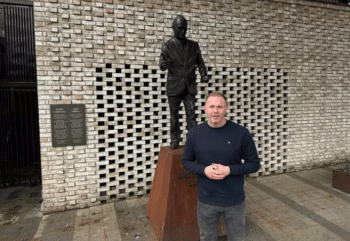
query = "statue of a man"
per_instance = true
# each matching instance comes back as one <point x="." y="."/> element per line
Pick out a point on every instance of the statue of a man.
<point x="180" y="56"/>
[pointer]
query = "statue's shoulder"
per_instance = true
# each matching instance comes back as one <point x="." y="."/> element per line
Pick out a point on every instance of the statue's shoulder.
<point x="169" y="42"/>
<point x="192" y="43"/>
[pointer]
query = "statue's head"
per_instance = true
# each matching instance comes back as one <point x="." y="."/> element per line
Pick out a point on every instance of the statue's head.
<point x="180" y="27"/>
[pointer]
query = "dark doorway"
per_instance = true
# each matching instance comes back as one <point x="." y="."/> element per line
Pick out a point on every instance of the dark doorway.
<point x="19" y="122"/>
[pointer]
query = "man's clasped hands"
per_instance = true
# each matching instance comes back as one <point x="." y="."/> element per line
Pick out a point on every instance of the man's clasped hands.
<point x="217" y="171"/>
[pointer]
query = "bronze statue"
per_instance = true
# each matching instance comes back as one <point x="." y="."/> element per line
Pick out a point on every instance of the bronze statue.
<point x="180" y="56"/>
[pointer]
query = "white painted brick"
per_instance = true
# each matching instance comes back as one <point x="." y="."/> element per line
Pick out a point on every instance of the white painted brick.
<point x="85" y="35"/>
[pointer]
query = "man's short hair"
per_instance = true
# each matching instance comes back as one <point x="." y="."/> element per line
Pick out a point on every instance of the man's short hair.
<point x="216" y="93"/>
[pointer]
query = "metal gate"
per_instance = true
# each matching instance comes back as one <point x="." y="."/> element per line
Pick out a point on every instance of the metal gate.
<point x="19" y="124"/>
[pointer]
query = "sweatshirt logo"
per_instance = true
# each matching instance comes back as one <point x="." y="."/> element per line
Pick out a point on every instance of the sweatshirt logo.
<point x="229" y="143"/>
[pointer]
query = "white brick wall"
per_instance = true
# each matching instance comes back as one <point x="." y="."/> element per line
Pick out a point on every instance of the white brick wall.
<point x="283" y="65"/>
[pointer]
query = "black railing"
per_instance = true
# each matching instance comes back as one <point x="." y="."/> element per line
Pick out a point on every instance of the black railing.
<point x="19" y="62"/>
<point x="19" y="124"/>
<point x="20" y="154"/>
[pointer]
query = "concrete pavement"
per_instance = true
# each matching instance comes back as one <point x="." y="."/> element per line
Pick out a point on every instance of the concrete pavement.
<point x="293" y="206"/>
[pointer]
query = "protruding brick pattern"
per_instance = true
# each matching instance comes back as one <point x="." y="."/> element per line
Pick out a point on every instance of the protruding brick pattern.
<point x="283" y="65"/>
<point x="133" y="120"/>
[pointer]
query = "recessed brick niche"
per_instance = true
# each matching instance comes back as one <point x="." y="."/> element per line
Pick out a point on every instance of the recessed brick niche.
<point x="133" y="120"/>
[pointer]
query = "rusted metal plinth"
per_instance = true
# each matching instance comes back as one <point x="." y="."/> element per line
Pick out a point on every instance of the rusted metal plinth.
<point x="341" y="180"/>
<point x="172" y="205"/>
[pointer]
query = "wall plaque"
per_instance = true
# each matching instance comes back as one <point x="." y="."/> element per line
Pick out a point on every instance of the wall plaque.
<point x="68" y="125"/>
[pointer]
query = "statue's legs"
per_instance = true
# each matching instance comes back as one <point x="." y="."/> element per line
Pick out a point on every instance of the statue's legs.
<point x="174" y="104"/>
<point x="189" y="103"/>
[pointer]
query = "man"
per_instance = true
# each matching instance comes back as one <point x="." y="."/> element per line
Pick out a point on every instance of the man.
<point x="180" y="56"/>
<point x="214" y="150"/>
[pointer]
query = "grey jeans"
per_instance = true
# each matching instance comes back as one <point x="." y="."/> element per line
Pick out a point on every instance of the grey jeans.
<point x="209" y="216"/>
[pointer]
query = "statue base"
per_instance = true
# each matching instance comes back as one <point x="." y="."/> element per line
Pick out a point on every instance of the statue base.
<point x="172" y="205"/>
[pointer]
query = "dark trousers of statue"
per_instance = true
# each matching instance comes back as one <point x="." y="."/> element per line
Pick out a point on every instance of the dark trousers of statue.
<point x="189" y="104"/>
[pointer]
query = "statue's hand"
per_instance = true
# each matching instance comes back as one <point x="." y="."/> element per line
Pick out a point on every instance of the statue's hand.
<point x="205" y="79"/>
<point x="166" y="64"/>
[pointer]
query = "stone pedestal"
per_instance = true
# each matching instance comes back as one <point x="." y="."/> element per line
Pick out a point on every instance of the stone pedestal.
<point x="172" y="205"/>
<point x="341" y="180"/>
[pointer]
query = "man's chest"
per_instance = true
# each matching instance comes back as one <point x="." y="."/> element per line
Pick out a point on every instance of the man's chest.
<point x="219" y="148"/>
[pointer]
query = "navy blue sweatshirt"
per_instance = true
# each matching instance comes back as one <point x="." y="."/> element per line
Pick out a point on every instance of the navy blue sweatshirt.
<point x="226" y="145"/>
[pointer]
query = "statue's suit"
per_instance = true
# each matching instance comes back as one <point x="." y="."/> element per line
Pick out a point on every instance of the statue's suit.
<point x="181" y="80"/>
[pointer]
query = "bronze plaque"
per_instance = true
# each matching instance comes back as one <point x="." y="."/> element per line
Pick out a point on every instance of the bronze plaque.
<point x="68" y="125"/>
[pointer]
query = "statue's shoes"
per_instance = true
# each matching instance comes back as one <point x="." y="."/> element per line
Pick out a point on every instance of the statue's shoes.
<point x="174" y="145"/>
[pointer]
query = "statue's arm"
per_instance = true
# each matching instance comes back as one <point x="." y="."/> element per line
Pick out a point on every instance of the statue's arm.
<point x="201" y="66"/>
<point x="164" y="63"/>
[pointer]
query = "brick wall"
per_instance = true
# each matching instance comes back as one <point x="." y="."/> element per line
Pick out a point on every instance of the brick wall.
<point x="283" y="66"/>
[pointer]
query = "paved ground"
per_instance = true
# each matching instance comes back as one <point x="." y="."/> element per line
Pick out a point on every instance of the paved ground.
<point x="20" y="213"/>
<point x="287" y="207"/>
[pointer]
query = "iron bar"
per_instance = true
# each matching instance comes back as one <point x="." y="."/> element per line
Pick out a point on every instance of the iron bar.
<point x="19" y="121"/>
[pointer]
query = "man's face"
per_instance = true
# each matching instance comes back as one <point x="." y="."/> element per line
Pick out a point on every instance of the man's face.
<point x="216" y="108"/>
<point x="180" y="29"/>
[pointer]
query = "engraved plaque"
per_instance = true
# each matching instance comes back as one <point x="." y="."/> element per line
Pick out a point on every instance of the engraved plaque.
<point x="68" y="125"/>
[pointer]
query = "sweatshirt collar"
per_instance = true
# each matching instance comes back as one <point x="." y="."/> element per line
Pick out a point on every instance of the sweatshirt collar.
<point x="218" y="126"/>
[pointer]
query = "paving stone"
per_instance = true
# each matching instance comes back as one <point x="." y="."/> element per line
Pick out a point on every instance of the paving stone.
<point x="271" y="218"/>
<point x="316" y="233"/>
